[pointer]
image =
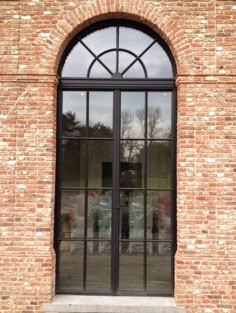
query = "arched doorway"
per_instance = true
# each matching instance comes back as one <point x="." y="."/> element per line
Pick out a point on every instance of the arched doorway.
<point x="115" y="190"/>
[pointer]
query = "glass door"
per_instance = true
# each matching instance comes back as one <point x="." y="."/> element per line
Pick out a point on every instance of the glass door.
<point x="145" y="192"/>
<point x="116" y="192"/>
<point x="86" y="190"/>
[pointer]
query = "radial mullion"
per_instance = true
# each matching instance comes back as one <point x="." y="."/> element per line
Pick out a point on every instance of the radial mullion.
<point x="117" y="48"/>
<point x="96" y="57"/>
<point x="138" y="57"/>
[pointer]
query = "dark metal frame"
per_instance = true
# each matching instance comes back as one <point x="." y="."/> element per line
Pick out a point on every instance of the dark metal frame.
<point x="116" y="84"/>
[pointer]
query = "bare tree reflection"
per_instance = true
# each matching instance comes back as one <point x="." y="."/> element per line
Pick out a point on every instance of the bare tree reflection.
<point x="154" y="128"/>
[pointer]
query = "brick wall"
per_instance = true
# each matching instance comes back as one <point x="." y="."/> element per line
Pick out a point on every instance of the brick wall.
<point x="202" y="36"/>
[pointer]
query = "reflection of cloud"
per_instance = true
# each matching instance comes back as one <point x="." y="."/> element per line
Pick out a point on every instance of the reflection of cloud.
<point x="101" y="40"/>
<point x="77" y="62"/>
<point x="157" y="62"/>
<point x="134" y="40"/>
<point x="100" y="106"/>
<point x="162" y="101"/>
<point x="75" y="101"/>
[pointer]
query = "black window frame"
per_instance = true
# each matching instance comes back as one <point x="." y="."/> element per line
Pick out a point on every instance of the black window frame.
<point x="115" y="84"/>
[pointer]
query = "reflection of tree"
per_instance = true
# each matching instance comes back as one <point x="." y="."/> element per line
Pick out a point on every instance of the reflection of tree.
<point x="153" y="121"/>
<point x="70" y="125"/>
<point x="129" y="148"/>
<point x="126" y="120"/>
<point x="74" y="150"/>
<point x="100" y="130"/>
<point x="159" y="155"/>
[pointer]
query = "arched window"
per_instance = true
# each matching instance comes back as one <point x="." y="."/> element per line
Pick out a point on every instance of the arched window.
<point x="115" y="189"/>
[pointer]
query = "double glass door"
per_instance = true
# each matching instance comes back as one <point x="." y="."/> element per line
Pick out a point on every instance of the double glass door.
<point x="115" y="192"/>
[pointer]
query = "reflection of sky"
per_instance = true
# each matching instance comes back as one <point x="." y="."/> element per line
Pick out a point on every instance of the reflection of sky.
<point x="134" y="101"/>
<point x="101" y="108"/>
<point x="131" y="102"/>
<point x="156" y="60"/>
<point x="100" y="104"/>
<point x="75" y="101"/>
<point x="162" y="100"/>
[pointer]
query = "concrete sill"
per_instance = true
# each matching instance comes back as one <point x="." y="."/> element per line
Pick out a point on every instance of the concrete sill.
<point x="108" y="304"/>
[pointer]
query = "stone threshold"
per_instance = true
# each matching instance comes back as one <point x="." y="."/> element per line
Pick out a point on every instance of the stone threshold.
<point x="109" y="304"/>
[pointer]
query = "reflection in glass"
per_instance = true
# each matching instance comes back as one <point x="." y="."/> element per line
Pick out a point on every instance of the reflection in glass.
<point x="98" y="70"/>
<point x="99" y="214"/>
<point x="159" y="115"/>
<point x="132" y="115"/>
<point x="132" y="163"/>
<point x="100" y="154"/>
<point x="124" y="60"/>
<point x="159" y="164"/>
<point x="73" y="163"/>
<point x="72" y="215"/>
<point x="157" y="62"/>
<point x="71" y="265"/>
<point x="134" y="40"/>
<point x="77" y="62"/>
<point x="158" y="217"/>
<point x="101" y="40"/>
<point x="74" y="113"/>
<point x="109" y="59"/>
<point x="131" y="267"/>
<point x="99" y="265"/>
<point x="155" y="59"/>
<point x="101" y="114"/>
<point x="135" y="71"/>
<point x="159" y="271"/>
<point x="131" y="216"/>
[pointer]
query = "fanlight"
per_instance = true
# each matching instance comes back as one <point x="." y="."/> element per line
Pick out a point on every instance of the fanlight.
<point x="117" y="52"/>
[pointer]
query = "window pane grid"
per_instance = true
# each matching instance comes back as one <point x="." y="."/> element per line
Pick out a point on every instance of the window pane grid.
<point x="123" y="36"/>
<point x="143" y="199"/>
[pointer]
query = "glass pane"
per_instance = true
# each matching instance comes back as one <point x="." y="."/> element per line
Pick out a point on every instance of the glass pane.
<point x="132" y="115"/>
<point x="74" y="113"/>
<point x="159" y="270"/>
<point x="158" y="164"/>
<point x="131" y="216"/>
<point x="101" y="114"/>
<point x="134" y="40"/>
<point x="135" y="71"/>
<point x="159" y="215"/>
<point x="73" y="169"/>
<point x="124" y="60"/>
<point x="131" y="163"/>
<point x="71" y="265"/>
<point x="159" y="115"/>
<point x="99" y="265"/>
<point x="101" y="40"/>
<point x="99" y="214"/>
<point x="131" y="267"/>
<point x="77" y="62"/>
<point x="72" y="215"/>
<point x="98" y="70"/>
<point x="157" y="62"/>
<point x="100" y="163"/>
<point x="109" y="59"/>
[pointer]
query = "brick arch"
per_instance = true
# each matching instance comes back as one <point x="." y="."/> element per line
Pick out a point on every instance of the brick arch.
<point x="97" y="10"/>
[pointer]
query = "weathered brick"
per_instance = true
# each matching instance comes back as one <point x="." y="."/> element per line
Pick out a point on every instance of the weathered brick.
<point x="201" y="35"/>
